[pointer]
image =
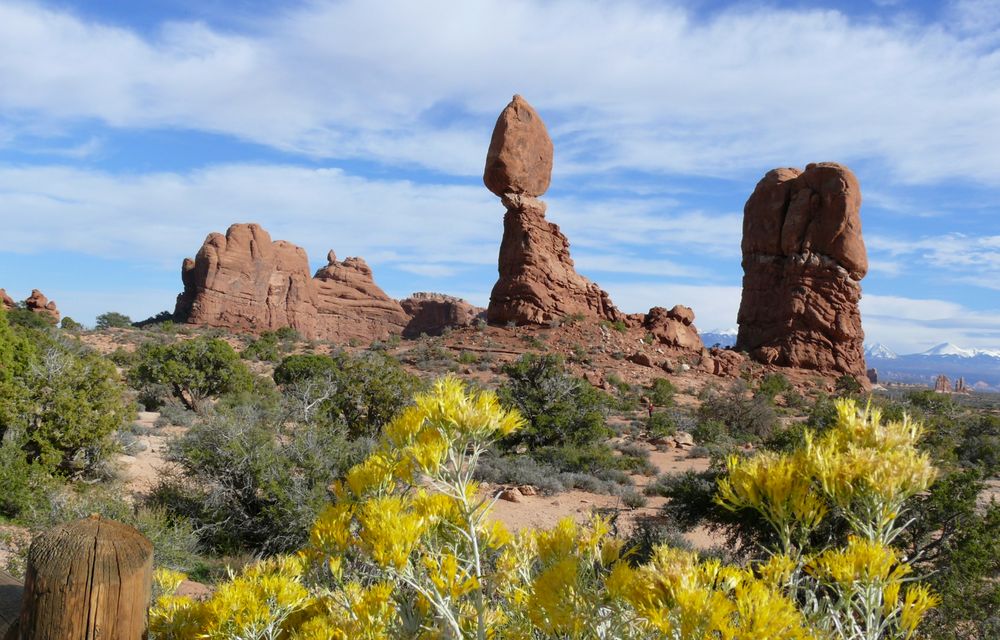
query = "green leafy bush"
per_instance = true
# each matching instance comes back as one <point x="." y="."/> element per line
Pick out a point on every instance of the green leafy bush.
<point x="60" y="405"/>
<point x="773" y="385"/>
<point x="69" y="324"/>
<point x="113" y="320"/>
<point x="193" y="369"/>
<point x="746" y="418"/>
<point x="562" y="410"/>
<point x="250" y="482"/>
<point x="661" y="393"/>
<point x="361" y="393"/>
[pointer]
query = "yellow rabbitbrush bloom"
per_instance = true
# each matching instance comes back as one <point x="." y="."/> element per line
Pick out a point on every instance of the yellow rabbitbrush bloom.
<point x="449" y="576"/>
<point x="868" y="468"/>
<point x="353" y="613"/>
<point x="259" y="602"/>
<point x="917" y="602"/>
<point x="389" y="531"/>
<point x="681" y="597"/>
<point x="777" y="486"/>
<point x="862" y="561"/>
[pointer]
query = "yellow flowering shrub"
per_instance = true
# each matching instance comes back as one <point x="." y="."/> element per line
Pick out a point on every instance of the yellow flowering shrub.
<point x="406" y="550"/>
<point x="863" y="469"/>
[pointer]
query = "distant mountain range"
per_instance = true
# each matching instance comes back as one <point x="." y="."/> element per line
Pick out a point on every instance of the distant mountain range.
<point x="721" y="337"/>
<point x="979" y="367"/>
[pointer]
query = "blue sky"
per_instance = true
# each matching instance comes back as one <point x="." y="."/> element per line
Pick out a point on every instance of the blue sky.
<point x="129" y="131"/>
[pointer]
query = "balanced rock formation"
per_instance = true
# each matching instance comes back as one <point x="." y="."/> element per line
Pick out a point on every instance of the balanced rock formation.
<point x="244" y="280"/>
<point x="538" y="282"/>
<point x="803" y="260"/>
<point x="432" y="313"/>
<point x="38" y="303"/>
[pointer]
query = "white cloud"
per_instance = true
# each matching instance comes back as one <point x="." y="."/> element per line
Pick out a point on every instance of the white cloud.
<point x="963" y="258"/>
<point x="909" y="325"/>
<point x="628" y="85"/>
<point x="426" y="229"/>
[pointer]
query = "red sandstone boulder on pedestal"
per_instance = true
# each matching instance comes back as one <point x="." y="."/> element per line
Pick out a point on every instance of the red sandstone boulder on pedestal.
<point x="432" y="313"/>
<point x="538" y="282"/>
<point x="38" y="303"/>
<point x="803" y="259"/>
<point x="244" y="280"/>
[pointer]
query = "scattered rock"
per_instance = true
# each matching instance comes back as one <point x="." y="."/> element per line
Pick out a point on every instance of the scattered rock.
<point x="640" y="359"/>
<point x="723" y="362"/>
<point x="527" y="490"/>
<point x="803" y="259"/>
<point x="683" y="440"/>
<point x="432" y="313"/>
<point x="510" y="495"/>
<point x="244" y="280"/>
<point x="538" y="282"/>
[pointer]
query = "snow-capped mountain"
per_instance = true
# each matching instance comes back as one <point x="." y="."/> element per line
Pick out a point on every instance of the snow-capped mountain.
<point x="879" y="350"/>
<point x="722" y="337"/>
<point x="949" y="349"/>
<point x="979" y="367"/>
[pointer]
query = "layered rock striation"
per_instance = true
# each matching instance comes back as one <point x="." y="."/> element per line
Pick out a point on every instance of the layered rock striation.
<point x="803" y="260"/>
<point x="538" y="282"/>
<point x="244" y="280"/>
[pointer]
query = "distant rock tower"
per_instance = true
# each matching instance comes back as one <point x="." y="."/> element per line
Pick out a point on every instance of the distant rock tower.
<point x="538" y="281"/>
<point x="942" y="384"/>
<point x="803" y="260"/>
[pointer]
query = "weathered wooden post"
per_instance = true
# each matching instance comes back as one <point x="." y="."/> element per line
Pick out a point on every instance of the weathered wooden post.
<point x="87" y="580"/>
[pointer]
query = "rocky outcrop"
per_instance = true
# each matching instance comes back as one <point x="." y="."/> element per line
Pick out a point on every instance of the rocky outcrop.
<point x="803" y="260"/>
<point x="38" y="303"/>
<point x="350" y="305"/>
<point x="673" y="328"/>
<point x="432" y="313"/>
<point x="244" y="280"/>
<point x="6" y="302"/>
<point x="538" y="282"/>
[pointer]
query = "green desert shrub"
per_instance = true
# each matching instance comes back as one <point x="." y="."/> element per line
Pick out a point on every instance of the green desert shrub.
<point x="773" y="385"/>
<point x="69" y="324"/>
<point x="194" y="370"/>
<point x="60" y="405"/>
<point x="113" y="320"/>
<point x="562" y="410"/>
<point x="746" y="418"/>
<point x="661" y="393"/>
<point x="362" y="393"/>
<point x="249" y="481"/>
